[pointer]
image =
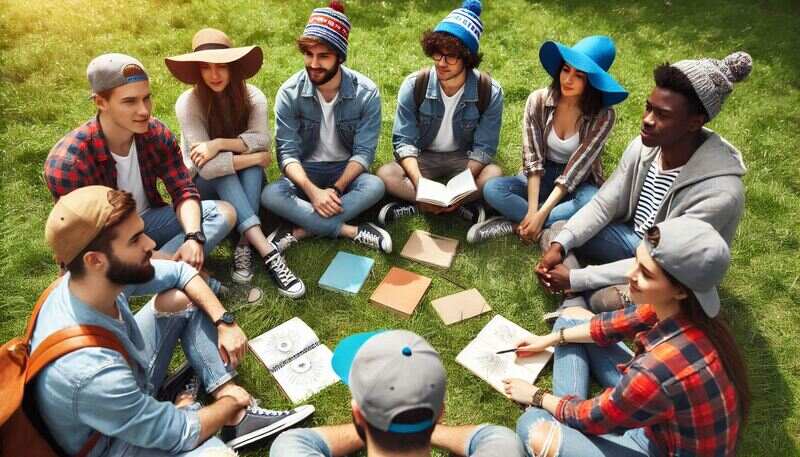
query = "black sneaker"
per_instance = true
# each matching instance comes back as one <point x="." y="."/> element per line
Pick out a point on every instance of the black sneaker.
<point x="177" y="383"/>
<point x="373" y="236"/>
<point x="472" y="212"/>
<point x="282" y="237"/>
<point x="288" y="284"/>
<point x="394" y="211"/>
<point x="259" y="423"/>
<point x="493" y="228"/>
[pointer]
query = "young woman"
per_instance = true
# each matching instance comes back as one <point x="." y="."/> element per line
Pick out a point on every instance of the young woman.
<point x="565" y="128"/>
<point x="226" y="143"/>
<point x="683" y="392"/>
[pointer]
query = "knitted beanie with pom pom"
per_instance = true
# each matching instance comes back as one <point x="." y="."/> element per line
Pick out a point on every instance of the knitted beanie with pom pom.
<point x="331" y="25"/>
<point x="713" y="79"/>
<point x="465" y="24"/>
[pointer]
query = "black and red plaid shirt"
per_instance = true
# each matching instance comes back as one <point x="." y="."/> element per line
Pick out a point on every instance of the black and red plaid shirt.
<point x="675" y="387"/>
<point x="82" y="158"/>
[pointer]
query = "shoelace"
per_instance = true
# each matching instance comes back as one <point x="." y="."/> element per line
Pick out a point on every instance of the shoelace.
<point x="365" y="236"/>
<point x="495" y="230"/>
<point x="242" y="258"/>
<point x="257" y="410"/>
<point x="281" y="271"/>
<point x="285" y="241"/>
<point x="405" y="210"/>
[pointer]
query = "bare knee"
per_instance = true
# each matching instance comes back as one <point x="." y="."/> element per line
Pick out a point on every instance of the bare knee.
<point x="576" y="312"/>
<point x="390" y="172"/>
<point x="544" y="439"/>
<point x="489" y="171"/>
<point x="172" y="301"/>
<point x="228" y="212"/>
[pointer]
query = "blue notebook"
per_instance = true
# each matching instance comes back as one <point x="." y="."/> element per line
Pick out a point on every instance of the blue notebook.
<point x="346" y="273"/>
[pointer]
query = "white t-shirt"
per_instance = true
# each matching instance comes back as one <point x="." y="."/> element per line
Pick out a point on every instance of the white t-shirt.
<point x="129" y="178"/>
<point x="656" y="185"/>
<point x="329" y="148"/>
<point x="558" y="150"/>
<point x="445" y="141"/>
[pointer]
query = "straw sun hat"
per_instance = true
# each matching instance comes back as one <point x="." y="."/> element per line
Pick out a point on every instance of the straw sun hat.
<point x="213" y="46"/>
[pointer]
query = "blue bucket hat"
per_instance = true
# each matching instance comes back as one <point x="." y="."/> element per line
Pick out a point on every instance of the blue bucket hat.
<point x="592" y="55"/>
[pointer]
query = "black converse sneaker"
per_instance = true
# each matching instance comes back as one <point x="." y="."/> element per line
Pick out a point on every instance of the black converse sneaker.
<point x="259" y="423"/>
<point x="282" y="237"/>
<point x="242" y="264"/>
<point x="472" y="212"/>
<point x="177" y="382"/>
<point x="492" y="228"/>
<point x="288" y="284"/>
<point x="373" y="236"/>
<point x="394" y="211"/>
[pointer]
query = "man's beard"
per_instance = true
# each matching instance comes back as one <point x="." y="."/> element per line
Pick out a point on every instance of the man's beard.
<point x="123" y="273"/>
<point x="329" y="74"/>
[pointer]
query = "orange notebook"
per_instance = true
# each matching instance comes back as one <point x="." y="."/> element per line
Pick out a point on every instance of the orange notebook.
<point x="430" y="249"/>
<point x="400" y="291"/>
<point x="461" y="306"/>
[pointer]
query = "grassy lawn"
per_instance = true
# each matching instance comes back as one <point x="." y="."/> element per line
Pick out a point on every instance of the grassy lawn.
<point x="43" y="92"/>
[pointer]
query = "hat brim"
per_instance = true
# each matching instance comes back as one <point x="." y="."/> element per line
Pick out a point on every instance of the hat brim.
<point x="345" y="353"/>
<point x="709" y="301"/>
<point x="184" y="67"/>
<point x="553" y="54"/>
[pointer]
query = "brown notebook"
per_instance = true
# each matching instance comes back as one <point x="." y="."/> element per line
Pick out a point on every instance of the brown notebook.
<point x="458" y="307"/>
<point x="430" y="249"/>
<point x="400" y="291"/>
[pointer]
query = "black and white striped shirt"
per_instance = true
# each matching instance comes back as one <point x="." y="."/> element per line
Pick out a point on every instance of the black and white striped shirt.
<point x="656" y="185"/>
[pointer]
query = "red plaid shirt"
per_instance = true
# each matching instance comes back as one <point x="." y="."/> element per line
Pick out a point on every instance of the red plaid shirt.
<point x="82" y="158"/>
<point x="675" y="387"/>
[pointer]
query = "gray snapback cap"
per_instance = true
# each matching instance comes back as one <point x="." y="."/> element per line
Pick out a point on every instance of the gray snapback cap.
<point x="389" y="373"/>
<point x="694" y="254"/>
<point x="108" y="71"/>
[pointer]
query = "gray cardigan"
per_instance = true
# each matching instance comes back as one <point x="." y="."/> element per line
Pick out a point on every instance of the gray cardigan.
<point x="708" y="188"/>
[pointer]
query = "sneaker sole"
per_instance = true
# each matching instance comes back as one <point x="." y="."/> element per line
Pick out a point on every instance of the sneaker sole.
<point x="382" y="214"/>
<point x="294" y="295"/>
<point x="238" y="278"/>
<point x="472" y="233"/>
<point x="302" y="413"/>
<point x="386" y="237"/>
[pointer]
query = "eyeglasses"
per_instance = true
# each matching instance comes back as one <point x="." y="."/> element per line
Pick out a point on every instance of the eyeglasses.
<point x="449" y="59"/>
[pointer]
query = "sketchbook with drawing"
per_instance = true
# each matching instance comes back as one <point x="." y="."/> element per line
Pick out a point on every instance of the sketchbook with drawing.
<point x="458" y="188"/>
<point x="481" y="358"/>
<point x="294" y="355"/>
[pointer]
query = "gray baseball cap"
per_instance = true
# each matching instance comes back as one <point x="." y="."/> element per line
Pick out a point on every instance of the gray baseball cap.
<point x="111" y="70"/>
<point x="391" y="372"/>
<point x="694" y="254"/>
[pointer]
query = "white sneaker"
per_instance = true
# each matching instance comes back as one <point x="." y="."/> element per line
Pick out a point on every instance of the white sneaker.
<point x="242" y="264"/>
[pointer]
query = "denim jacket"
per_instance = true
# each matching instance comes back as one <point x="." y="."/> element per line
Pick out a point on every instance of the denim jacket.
<point x="298" y="116"/>
<point x="476" y="134"/>
<point x="95" y="388"/>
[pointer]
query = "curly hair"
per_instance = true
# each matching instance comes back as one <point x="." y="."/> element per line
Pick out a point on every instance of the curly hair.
<point x="668" y="77"/>
<point x="445" y="43"/>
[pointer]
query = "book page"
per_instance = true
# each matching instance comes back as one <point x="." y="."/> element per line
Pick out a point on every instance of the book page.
<point x="460" y="186"/>
<point x="283" y="342"/>
<point x="308" y="374"/>
<point x="430" y="191"/>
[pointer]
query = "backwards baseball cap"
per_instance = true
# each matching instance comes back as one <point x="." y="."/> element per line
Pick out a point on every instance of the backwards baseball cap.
<point x="331" y="26"/>
<point x="465" y="24"/>
<point x="713" y="79"/>
<point x="391" y="372"/>
<point x="75" y="220"/>
<point x="696" y="255"/>
<point x="108" y="71"/>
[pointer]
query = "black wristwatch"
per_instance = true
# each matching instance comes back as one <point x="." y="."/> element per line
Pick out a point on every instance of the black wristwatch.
<point x="226" y="318"/>
<point x="198" y="236"/>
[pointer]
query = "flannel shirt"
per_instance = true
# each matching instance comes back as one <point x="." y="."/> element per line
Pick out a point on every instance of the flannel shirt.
<point x="585" y="162"/>
<point x="675" y="387"/>
<point x="82" y="158"/>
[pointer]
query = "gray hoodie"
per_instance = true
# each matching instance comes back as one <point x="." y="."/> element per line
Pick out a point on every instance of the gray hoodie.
<point x="709" y="187"/>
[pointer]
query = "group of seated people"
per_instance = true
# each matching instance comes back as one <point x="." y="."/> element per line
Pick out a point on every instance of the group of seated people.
<point x="636" y="256"/>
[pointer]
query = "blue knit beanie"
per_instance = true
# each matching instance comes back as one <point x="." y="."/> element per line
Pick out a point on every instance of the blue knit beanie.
<point x="465" y="24"/>
<point x="330" y="25"/>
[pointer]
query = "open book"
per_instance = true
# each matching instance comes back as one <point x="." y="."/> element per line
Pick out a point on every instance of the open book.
<point x="481" y="358"/>
<point x="294" y="355"/>
<point x="458" y="188"/>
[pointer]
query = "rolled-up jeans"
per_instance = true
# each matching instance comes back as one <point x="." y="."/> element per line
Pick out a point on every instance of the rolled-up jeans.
<point x="241" y="189"/>
<point x="487" y="440"/>
<point x="286" y="200"/>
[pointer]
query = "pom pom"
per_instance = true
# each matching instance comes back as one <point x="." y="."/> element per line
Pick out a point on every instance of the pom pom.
<point x="473" y="5"/>
<point x="337" y="5"/>
<point x="739" y="64"/>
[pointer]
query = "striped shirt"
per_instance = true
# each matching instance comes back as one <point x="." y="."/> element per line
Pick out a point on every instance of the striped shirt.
<point x="656" y="186"/>
<point x="585" y="163"/>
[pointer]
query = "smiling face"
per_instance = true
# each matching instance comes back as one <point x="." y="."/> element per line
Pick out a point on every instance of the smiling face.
<point x="217" y="76"/>
<point x="322" y="63"/>
<point x="649" y="284"/>
<point x="448" y="63"/>
<point x="572" y="81"/>
<point x="128" y="106"/>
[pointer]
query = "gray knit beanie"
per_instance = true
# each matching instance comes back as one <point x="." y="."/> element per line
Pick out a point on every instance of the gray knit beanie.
<point x="713" y="79"/>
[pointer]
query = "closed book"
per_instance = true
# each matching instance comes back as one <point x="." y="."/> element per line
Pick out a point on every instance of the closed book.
<point x="400" y="291"/>
<point x="430" y="249"/>
<point x="346" y="273"/>
<point x="458" y="307"/>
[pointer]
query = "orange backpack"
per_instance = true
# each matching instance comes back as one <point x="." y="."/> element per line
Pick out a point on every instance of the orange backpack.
<point x="22" y="431"/>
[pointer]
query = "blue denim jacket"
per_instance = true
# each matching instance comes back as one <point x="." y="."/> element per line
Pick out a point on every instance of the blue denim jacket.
<point x="95" y="388"/>
<point x="298" y="116"/>
<point x="477" y="135"/>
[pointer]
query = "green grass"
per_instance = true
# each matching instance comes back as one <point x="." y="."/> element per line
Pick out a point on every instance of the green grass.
<point x="45" y="49"/>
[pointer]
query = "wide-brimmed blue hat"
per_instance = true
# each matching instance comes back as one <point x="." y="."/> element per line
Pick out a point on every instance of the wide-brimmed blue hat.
<point x="592" y="55"/>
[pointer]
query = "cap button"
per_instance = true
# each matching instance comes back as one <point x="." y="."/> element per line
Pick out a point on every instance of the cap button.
<point x="407" y="351"/>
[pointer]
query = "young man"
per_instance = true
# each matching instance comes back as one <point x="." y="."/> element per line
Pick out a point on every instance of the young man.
<point x="327" y="120"/>
<point x="96" y="233"/>
<point x="676" y="167"/>
<point x="453" y="127"/>
<point x="394" y="413"/>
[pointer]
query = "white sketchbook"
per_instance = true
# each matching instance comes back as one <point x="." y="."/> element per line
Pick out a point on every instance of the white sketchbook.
<point x="294" y="355"/>
<point x="481" y="358"/>
<point x="458" y="188"/>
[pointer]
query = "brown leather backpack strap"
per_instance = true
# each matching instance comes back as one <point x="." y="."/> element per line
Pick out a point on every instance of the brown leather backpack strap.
<point x="71" y="339"/>
<point x="38" y="306"/>
<point x="484" y="92"/>
<point x="89" y="445"/>
<point x="421" y="86"/>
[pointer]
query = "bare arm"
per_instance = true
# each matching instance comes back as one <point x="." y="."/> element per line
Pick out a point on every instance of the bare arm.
<point x="325" y="201"/>
<point x="255" y="159"/>
<point x="350" y="173"/>
<point x="411" y="167"/>
<point x="341" y="439"/>
<point x="218" y="414"/>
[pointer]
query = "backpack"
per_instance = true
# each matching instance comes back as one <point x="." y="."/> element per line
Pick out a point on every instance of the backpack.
<point x="484" y="89"/>
<point x="21" y="426"/>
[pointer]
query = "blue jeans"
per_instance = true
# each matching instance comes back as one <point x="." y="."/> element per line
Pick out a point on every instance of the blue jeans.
<point x="289" y="202"/>
<point x="163" y="227"/>
<point x="573" y="364"/>
<point x="198" y="338"/>
<point x="242" y="190"/>
<point x="614" y="242"/>
<point x="509" y="195"/>
<point x="486" y="440"/>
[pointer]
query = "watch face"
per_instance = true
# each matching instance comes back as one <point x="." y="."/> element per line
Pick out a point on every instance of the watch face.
<point x="227" y="318"/>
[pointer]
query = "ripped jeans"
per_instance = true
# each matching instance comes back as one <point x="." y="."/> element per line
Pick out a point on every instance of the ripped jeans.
<point x="573" y="367"/>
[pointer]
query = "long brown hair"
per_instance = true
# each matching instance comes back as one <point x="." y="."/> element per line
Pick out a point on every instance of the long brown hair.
<point x="591" y="99"/>
<point x="227" y="113"/>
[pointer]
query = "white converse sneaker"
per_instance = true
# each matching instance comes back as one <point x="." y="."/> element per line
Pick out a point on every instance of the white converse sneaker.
<point x="242" y="264"/>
